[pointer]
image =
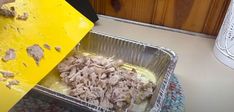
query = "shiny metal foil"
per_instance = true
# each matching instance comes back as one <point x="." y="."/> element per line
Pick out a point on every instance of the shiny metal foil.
<point x="159" y="60"/>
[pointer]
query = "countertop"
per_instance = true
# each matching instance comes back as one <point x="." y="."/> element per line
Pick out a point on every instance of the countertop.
<point x="207" y="83"/>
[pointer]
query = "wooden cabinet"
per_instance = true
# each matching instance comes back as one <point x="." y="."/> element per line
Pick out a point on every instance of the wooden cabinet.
<point x="203" y="16"/>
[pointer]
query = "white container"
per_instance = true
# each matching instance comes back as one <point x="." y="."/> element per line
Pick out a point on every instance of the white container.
<point x="224" y="45"/>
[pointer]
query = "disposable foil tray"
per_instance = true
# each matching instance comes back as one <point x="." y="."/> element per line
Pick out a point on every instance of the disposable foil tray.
<point x="160" y="61"/>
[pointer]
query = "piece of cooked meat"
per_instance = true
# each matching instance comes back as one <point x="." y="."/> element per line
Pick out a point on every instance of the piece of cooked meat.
<point x="36" y="52"/>
<point x="7" y="74"/>
<point x="58" y="48"/>
<point x="24" y="16"/>
<point x="3" y="79"/>
<point x="103" y="82"/>
<point x="9" y="55"/>
<point x="106" y="103"/>
<point x="9" y="13"/>
<point x="47" y="46"/>
<point x="12" y="83"/>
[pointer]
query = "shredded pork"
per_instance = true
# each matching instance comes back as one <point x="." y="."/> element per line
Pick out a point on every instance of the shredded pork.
<point x="24" y="16"/>
<point x="9" y="55"/>
<point x="9" y="13"/>
<point x="103" y="82"/>
<point x="36" y="52"/>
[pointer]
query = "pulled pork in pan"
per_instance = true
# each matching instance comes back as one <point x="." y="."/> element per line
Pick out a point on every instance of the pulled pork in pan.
<point x="103" y="82"/>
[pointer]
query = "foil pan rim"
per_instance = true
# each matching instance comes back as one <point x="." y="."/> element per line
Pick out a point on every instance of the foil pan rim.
<point x="162" y="89"/>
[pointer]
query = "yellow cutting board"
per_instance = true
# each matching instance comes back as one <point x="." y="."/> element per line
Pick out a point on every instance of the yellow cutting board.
<point x="53" y="22"/>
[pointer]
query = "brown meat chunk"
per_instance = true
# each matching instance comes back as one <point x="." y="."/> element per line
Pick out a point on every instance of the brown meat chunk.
<point x="9" y="13"/>
<point x="9" y="55"/>
<point x="2" y="79"/>
<point x="98" y="91"/>
<point x="36" y="52"/>
<point x="102" y="81"/>
<point x="47" y="46"/>
<point x="24" y="16"/>
<point x="7" y="74"/>
<point x="58" y="48"/>
<point x="114" y="80"/>
<point x="12" y="83"/>
<point x="95" y="102"/>
<point x="77" y="91"/>
<point x="106" y="103"/>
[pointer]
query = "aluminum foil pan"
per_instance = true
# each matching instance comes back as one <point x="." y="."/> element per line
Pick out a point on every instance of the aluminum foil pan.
<point x="159" y="60"/>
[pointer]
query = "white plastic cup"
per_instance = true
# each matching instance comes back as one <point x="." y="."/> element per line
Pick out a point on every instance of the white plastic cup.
<point x="224" y="45"/>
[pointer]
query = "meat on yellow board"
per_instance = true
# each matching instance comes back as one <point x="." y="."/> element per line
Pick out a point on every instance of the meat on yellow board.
<point x="51" y="22"/>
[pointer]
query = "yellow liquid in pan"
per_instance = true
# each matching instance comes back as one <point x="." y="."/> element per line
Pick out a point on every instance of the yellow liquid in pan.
<point x="54" y="82"/>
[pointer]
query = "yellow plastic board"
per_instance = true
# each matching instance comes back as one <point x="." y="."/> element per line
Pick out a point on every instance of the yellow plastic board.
<point x="53" y="22"/>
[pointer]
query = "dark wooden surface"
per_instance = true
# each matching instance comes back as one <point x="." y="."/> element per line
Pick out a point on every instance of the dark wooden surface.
<point x="203" y="16"/>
